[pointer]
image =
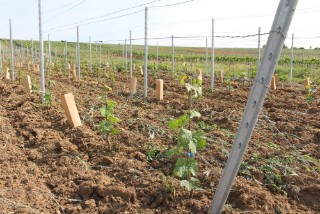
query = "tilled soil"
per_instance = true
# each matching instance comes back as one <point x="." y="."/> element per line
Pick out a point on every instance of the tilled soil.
<point x="48" y="167"/>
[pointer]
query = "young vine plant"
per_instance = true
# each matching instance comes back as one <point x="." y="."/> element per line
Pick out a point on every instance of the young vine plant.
<point x="106" y="126"/>
<point x="189" y="142"/>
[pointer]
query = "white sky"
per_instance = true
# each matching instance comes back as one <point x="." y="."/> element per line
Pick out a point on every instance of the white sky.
<point x="232" y="18"/>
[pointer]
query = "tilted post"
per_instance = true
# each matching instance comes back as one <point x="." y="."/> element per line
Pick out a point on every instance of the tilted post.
<point x="257" y="96"/>
<point x="259" y="49"/>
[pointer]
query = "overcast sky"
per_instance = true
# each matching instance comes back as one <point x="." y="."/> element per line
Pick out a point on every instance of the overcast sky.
<point x="101" y="20"/>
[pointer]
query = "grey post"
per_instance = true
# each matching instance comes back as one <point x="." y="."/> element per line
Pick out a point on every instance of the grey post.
<point x="55" y="54"/>
<point x="207" y="67"/>
<point x="78" y="54"/>
<point x="130" y="54"/>
<point x="258" y="93"/>
<point x="212" y="59"/>
<point x="123" y="54"/>
<point x="100" y="57"/>
<point x="259" y="50"/>
<point x="49" y="56"/>
<point x="90" y="49"/>
<point x="12" y="52"/>
<point x="0" y="57"/>
<point x="66" y="54"/>
<point x="145" y="73"/>
<point x="291" y="61"/>
<point x="125" y="42"/>
<point x="172" y="54"/>
<point x="43" y="90"/>
<point x="32" y="52"/>
<point x="157" y="65"/>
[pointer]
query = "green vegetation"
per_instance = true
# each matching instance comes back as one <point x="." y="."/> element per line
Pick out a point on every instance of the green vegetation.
<point x="106" y="126"/>
<point x="235" y="62"/>
<point x="189" y="142"/>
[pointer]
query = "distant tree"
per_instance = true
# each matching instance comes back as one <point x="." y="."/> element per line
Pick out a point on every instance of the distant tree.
<point x="302" y="48"/>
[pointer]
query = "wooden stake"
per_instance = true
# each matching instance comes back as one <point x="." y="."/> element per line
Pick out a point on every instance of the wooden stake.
<point x="74" y="75"/>
<point x="220" y="76"/>
<point x="70" y="110"/>
<point x="133" y="85"/>
<point x="159" y="89"/>
<point x="27" y="85"/>
<point x="306" y="82"/>
<point x="273" y="83"/>
<point x="7" y="74"/>
<point x="276" y="77"/>
<point x="200" y="75"/>
<point x="141" y="70"/>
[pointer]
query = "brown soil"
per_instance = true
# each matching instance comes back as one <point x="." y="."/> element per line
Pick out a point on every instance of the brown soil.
<point x="48" y="167"/>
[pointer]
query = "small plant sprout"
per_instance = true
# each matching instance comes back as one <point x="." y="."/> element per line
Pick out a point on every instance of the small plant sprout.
<point x="310" y="91"/>
<point x="106" y="126"/>
<point x="47" y="98"/>
<point x="189" y="142"/>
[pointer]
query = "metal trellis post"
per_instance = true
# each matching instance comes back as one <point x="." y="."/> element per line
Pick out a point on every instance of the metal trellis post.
<point x="43" y="90"/>
<point x="145" y="73"/>
<point x="49" y="55"/>
<point x="66" y="54"/>
<point x="257" y="96"/>
<point x="90" y="47"/>
<point x="125" y="43"/>
<point x="207" y="56"/>
<point x="291" y="61"/>
<point x="32" y="52"/>
<point x="130" y="54"/>
<point x="259" y="49"/>
<point x="12" y="52"/>
<point x="157" y="65"/>
<point x="172" y="54"/>
<point x="212" y="59"/>
<point x="78" y="54"/>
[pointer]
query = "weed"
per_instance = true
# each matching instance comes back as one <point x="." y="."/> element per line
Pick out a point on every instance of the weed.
<point x="310" y="91"/>
<point x="47" y="98"/>
<point x="229" y="84"/>
<point x="168" y="184"/>
<point x="153" y="152"/>
<point x="206" y="127"/>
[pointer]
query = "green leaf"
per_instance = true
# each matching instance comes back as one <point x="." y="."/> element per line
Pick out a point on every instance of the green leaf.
<point x="115" y="131"/>
<point x="105" y="126"/>
<point x="184" y="138"/>
<point x="188" y="86"/>
<point x="113" y="119"/>
<point x="199" y="137"/>
<point x="179" y="122"/>
<point x="194" y="113"/>
<point x="175" y="151"/>
<point x="192" y="147"/>
<point x="185" y="167"/>
<point x="193" y="184"/>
